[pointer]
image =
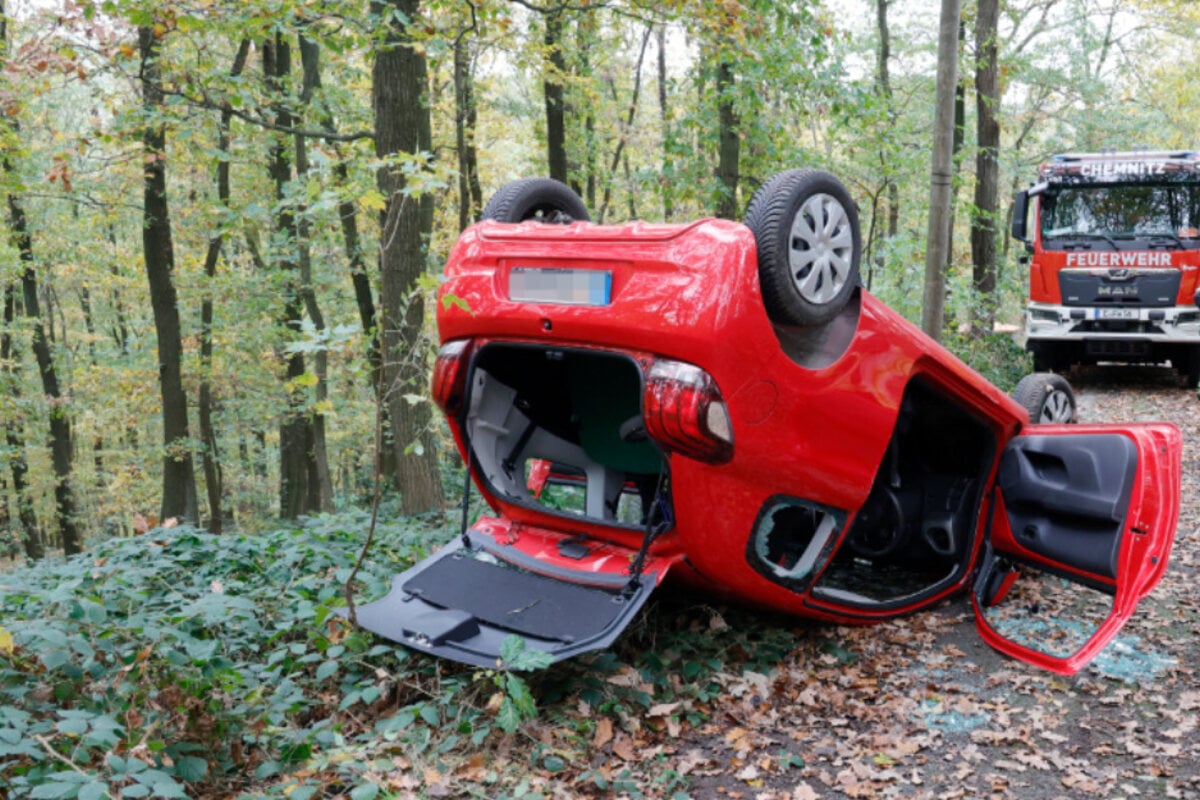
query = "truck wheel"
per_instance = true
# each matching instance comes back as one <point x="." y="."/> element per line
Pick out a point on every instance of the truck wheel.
<point x="540" y="199"/>
<point x="809" y="246"/>
<point x="1047" y="397"/>
<point x="1188" y="366"/>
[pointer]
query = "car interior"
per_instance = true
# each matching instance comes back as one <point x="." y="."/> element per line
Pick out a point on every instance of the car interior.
<point x="914" y="532"/>
<point x="580" y="411"/>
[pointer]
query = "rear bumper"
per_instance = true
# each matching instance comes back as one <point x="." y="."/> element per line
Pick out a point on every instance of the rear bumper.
<point x="1174" y="325"/>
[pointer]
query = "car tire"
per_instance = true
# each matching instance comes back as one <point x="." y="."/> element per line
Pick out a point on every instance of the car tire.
<point x="540" y="199"/>
<point x="809" y="246"/>
<point x="1047" y="397"/>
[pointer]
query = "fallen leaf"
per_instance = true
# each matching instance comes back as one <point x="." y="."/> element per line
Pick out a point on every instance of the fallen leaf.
<point x="623" y="747"/>
<point x="604" y="733"/>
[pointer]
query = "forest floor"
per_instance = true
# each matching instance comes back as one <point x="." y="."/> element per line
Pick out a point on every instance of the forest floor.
<point x="921" y="708"/>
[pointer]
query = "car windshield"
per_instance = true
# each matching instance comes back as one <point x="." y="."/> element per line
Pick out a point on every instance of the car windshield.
<point x="1105" y="215"/>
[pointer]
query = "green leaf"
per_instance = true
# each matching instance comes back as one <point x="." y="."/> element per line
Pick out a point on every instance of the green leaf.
<point x="453" y="300"/>
<point x="508" y="717"/>
<point x="364" y="791"/>
<point x="93" y="791"/>
<point x="430" y="714"/>
<point x="327" y="669"/>
<point x="515" y="655"/>
<point x="522" y="698"/>
<point x="191" y="768"/>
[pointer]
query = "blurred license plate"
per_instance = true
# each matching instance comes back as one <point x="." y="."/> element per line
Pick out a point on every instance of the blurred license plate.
<point x="1116" y="313"/>
<point x="577" y="287"/>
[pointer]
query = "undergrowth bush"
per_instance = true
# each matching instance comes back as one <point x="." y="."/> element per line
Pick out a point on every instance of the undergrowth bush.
<point x="180" y="657"/>
<point x="996" y="357"/>
<point x="183" y="664"/>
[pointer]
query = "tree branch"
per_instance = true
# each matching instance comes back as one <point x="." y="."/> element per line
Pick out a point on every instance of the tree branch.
<point x="212" y="105"/>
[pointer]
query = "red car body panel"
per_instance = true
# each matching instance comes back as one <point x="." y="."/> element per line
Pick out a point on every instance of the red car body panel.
<point x="814" y="416"/>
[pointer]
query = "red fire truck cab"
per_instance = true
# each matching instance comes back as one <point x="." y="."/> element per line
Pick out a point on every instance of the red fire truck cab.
<point x="1114" y="244"/>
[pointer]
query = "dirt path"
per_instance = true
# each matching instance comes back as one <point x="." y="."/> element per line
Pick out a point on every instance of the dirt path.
<point x="920" y="708"/>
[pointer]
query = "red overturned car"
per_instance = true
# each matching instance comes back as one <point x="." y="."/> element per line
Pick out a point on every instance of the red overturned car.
<point x="722" y="406"/>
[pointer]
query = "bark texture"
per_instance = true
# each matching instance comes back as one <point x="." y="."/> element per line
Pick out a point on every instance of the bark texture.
<point x="941" y="174"/>
<point x="403" y="126"/>
<point x="729" y="142"/>
<point x="179" y="479"/>
<point x="987" y="169"/>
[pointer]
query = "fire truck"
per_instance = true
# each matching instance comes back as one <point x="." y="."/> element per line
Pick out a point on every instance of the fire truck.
<point x="1114" y="252"/>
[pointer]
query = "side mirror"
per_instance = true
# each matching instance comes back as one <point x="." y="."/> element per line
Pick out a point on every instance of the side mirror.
<point x="1019" y="212"/>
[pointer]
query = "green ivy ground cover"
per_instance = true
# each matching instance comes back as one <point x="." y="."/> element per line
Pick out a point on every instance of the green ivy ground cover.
<point x="181" y="663"/>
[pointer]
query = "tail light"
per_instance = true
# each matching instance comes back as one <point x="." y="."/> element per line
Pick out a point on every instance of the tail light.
<point x="685" y="412"/>
<point x="450" y="376"/>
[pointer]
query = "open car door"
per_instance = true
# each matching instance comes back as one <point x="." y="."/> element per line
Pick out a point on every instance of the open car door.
<point x="562" y="595"/>
<point x="1079" y="512"/>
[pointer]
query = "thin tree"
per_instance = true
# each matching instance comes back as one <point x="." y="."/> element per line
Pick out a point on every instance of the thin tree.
<point x="31" y="537"/>
<point x="941" y="173"/>
<point x="320" y="481"/>
<point x="403" y="128"/>
<point x="299" y="473"/>
<point x="61" y="446"/>
<point x="630" y="116"/>
<point x="664" y="115"/>
<point x="883" y="82"/>
<point x="728" y="137"/>
<point x="179" y="478"/>
<point x="213" y="480"/>
<point x="555" y="95"/>
<point x="466" y="117"/>
<point x="987" y="168"/>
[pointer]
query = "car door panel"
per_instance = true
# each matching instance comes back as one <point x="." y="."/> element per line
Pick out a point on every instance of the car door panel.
<point x="1096" y="505"/>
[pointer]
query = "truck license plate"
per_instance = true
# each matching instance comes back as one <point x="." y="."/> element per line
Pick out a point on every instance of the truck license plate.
<point x="1116" y="313"/>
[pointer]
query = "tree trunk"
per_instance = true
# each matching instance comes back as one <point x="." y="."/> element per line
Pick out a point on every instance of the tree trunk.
<point x="630" y="116"/>
<point x="885" y="90"/>
<point x="61" y="448"/>
<point x="403" y="125"/>
<point x="668" y="198"/>
<point x="298" y="490"/>
<point x="89" y="324"/>
<point x="586" y="38"/>
<point x="348" y="217"/>
<point x="320" y="483"/>
<point x="179" y="479"/>
<point x="729" y="143"/>
<point x="555" y="95"/>
<point x="941" y="173"/>
<point x="470" y="194"/>
<point x="987" y="170"/>
<point x="213" y="480"/>
<point x="960" y="136"/>
<point x="31" y="538"/>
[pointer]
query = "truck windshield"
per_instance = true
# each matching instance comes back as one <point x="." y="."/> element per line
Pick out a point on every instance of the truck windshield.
<point x="1141" y="213"/>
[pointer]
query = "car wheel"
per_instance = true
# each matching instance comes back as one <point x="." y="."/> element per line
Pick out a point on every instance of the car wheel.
<point x="1047" y="397"/>
<point x="809" y="245"/>
<point x="540" y="199"/>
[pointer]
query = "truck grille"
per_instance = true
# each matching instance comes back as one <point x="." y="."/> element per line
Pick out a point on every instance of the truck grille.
<point x="1146" y="288"/>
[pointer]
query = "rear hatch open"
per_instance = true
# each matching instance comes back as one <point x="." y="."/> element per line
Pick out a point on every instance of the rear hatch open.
<point x="557" y="439"/>
<point x="463" y="602"/>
